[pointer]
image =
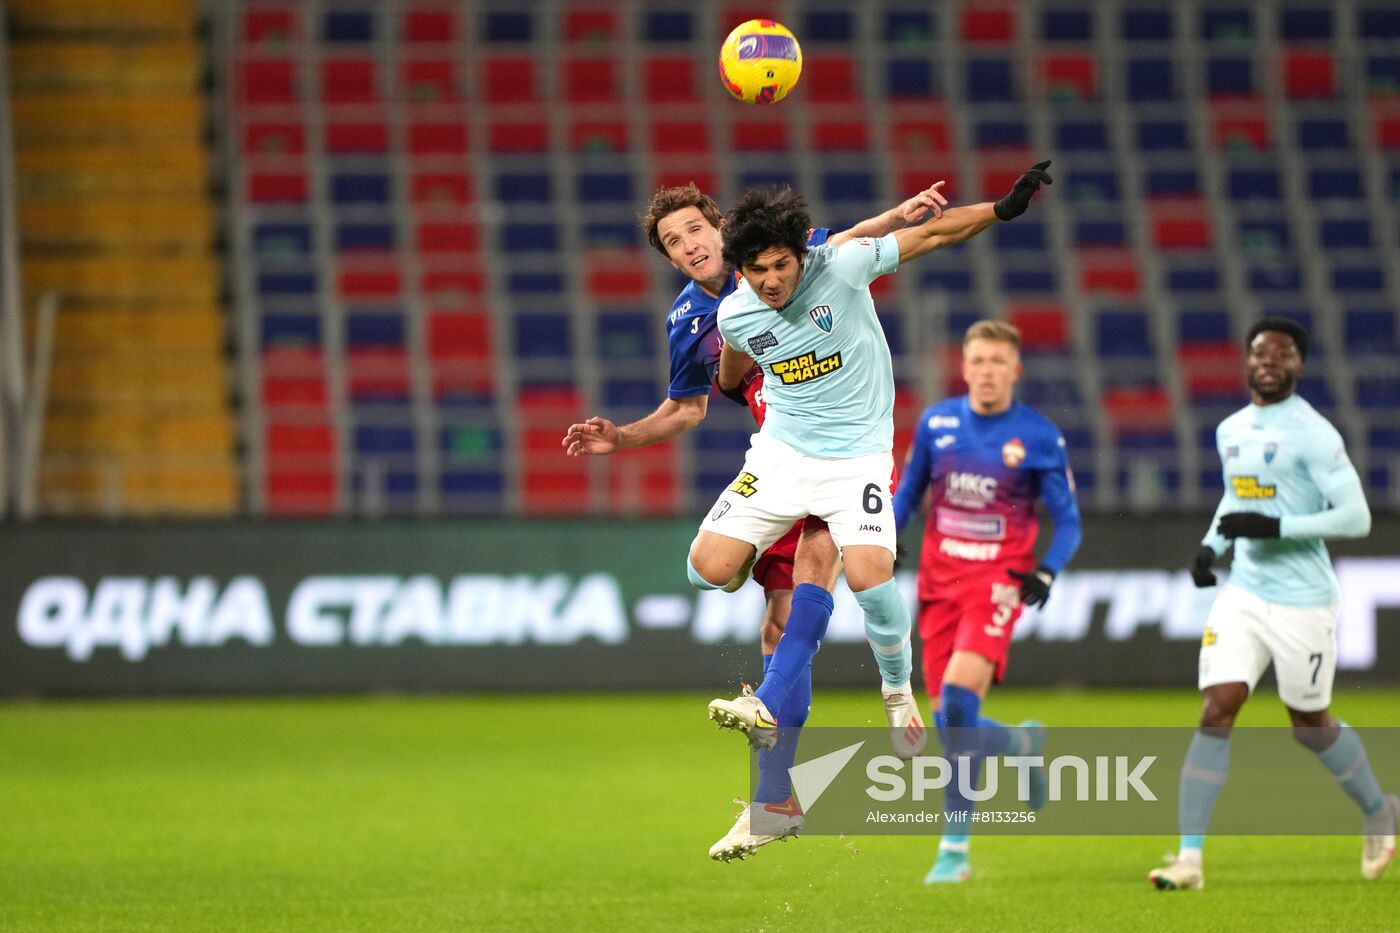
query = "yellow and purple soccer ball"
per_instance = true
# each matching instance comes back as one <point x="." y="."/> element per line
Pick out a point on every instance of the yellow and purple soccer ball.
<point x="760" y="62"/>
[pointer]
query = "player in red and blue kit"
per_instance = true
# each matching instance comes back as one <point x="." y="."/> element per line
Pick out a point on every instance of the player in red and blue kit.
<point x="988" y="458"/>
<point x="683" y="224"/>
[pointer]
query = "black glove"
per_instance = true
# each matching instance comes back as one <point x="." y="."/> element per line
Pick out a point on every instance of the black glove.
<point x="1201" y="574"/>
<point x="1248" y="525"/>
<point x="1015" y="203"/>
<point x="735" y="394"/>
<point x="1035" y="587"/>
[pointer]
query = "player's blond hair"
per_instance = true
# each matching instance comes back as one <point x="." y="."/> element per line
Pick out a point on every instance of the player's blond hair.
<point x="999" y="331"/>
<point x="667" y="201"/>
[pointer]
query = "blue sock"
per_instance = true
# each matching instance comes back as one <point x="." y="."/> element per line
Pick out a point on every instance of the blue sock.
<point x="957" y="725"/>
<point x="887" y="629"/>
<point x="1346" y="759"/>
<point x="774" y="782"/>
<point x="1203" y="774"/>
<point x="802" y="636"/>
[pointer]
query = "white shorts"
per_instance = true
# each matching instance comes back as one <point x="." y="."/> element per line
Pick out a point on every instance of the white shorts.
<point x="1244" y="633"/>
<point x="779" y="485"/>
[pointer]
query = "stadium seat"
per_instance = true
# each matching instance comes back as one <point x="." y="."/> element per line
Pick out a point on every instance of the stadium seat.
<point x="1309" y="75"/>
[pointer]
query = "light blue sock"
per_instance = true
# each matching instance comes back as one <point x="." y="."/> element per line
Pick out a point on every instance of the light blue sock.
<point x="697" y="581"/>
<point x="887" y="630"/>
<point x="1203" y="774"/>
<point x="1346" y="759"/>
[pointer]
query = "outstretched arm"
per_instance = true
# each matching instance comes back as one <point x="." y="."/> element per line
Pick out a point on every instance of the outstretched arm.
<point x="963" y="223"/>
<point x="930" y="199"/>
<point x="598" y="436"/>
<point x="734" y="365"/>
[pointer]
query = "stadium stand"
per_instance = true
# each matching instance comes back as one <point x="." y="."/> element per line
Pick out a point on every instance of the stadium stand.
<point x="436" y="265"/>
<point x="117" y="221"/>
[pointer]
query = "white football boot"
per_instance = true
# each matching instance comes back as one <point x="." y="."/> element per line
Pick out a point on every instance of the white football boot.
<point x="907" y="732"/>
<point x="1378" y="849"/>
<point x="749" y="715"/>
<point x="1178" y="875"/>
<point x="758" y="824"/>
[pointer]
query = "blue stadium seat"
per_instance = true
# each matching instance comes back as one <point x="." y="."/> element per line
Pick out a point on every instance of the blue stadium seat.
<point x="542" y="334"/>
<point x="892" y="323"/>
<point x="605" y="187"/>
<point x="374" y="329"/>
<point x="532" y="283"/>
<point x="997" y="134"/>
<point x="1122" y="334"/>
<point x="612" y="233"/>
<point x="1323" y="134"/>
<point x="1381" y="21"/>
<point x="1247" y="184"/>
<point x="1383" y="74"/>
<point x="524" y="238"/>
<point x="1281" y="274"/>
<point x="1358" y="276"/>
<point x="383" y="439"/>
<point x="281" y="239"/>
<point x="291" y="329"/>
<point x="1024" y="234"/>
<point x="1163" y="136"/>
<point x="910" y="78"/>
<point x="360" y="188"/>
<point x="1045" y="393"/>
<point x="1378" y="393"/>
<point x="630" y="393"/>
<point x="1091" y="185"/>
<point x="1334" y="183"/>
<point x="669" y="26"/>
<point x="1021" y="279"/>
<point x="1150" y="79"/>
<point x="1316" y="390"/>
<point x="947" y="277"/>
<point x="1082" y="136"/>
<point x="837" y="187"/>
<point x="1230" y="76"/>
<point x="508" y="27"/>
<point x="349" y="26"/>
<point x="1264" y="236"/>
<point x="1067" y="25"/>
<point x="1147" y="25"/>
<point x="533" y="187"/>
<point x="1371" y="331"/>
<point x="287" y="283"/>
<point x="485" y="483"/>
<point x="1225" y="23"/>
<point x="1203" y="327"/>
<point x="990" y="79"/>
<point x="828" y="26"/>
<point x="1350" y="233"/>
<point x="1100" y="233"/>
<point x="364" y="236"/>
<point x="627" y="335"/>
<point x="1305" y="23"/>
<point x="912" y="27"/>
<point x="1172" y="183"/>
<point x="767" y="179"/>
<point x="1193" y="278"/>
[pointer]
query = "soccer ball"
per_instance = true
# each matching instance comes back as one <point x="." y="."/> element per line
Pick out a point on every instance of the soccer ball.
<point x="760" y="62"/>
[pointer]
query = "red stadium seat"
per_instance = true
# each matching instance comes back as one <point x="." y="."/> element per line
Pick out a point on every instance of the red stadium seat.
<point x="830" y="79"/>
<point x="440" y="188"/>
<point x="425" y="26"/>
<point x="1108" y="272"/>
<point x="460" y="337"/>
<point x="344" y="138"/>
<point x="448" y="238"/>
<point x="274" y="139"/>
<point x="507" y="136"/>
<point x="988" y="25"/>
<point x="590" y="81"/>
<point x="267" y="82"/>
<point x="348" y="81"/>
<point x="428" y="81"/>
<point x="914" y="181"/>
<point x="1240" y="124"/>
<point x="688" y="136"/>
<point x="376" y="282"/>
<point x="1044" y="328"/>
<point x="643" y="482"/>
<point x="669" y="81"/>
<point x="759" y="134"/>
<point x="1137" y="410"/>
<point x="1071" y="76"/>
<point x="1309" y="75"/>
<point x="509" y="80"/>
<point x="272" y="188"/>
<point x="841" y="136"/>
<point x="913" y="135"/>
<point x="599" y="135"/>
<point x="270" y="29"/>
<point x="617" y="274"/>
<point x="1181" y="226"/>
<point x="453" y="285"/>
<point x="1210" y="370"/>
<point x="591" y="25"/>
<point x="293" y="392"/>
<point x="377" y="372"/>
<point x="437" y="138"/>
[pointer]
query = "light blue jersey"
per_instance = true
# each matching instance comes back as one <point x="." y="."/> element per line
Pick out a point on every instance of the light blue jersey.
<point x="827" y="376"/>
<point x="1286" y="460"/>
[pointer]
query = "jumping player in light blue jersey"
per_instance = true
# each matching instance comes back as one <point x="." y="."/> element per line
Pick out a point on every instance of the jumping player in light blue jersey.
<point x="1288" y="485"/>
<point x="807" y="318"/>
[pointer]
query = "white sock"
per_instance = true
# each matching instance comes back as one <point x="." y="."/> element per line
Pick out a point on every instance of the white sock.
<point x="1189" y="855"/>
<point x="906" y="688"/>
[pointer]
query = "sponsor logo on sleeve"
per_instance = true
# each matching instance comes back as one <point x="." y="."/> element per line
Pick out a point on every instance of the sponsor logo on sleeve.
<point x="745" y="485"/>
<point x="764" y="341"/>
<point x="805" y="368"/>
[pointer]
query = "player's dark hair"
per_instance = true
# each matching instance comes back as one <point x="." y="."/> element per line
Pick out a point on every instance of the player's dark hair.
<point x="762" y="220"/>
<point x="1281" y="325"/>
<point x="667" y="201"/>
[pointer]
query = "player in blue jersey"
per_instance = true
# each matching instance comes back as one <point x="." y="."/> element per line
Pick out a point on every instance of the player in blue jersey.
<point x="683" y="224"/>
<point x="825" y="449"/>
<point x="1288" y="485"/>
<point x="988" y="458"/>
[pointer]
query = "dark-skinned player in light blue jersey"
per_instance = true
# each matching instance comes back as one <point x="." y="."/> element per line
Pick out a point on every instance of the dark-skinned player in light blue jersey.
<point x="988" y="459"/>
<point x="1289" y="485"/>
<point x="683" y="224"/>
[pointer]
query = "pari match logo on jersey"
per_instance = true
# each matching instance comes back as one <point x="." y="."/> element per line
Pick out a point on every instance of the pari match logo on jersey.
<point x="806" y="367"/>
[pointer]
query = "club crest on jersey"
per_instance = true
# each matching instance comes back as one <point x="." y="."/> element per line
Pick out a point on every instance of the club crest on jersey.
<point x="805" y="367"/>
<point x="1270" y="449"/>
<point x="720" y="511"/>
<point x="821" y="316"/>
<point x="764" y="341"/>
<point x="1013" y="452"/>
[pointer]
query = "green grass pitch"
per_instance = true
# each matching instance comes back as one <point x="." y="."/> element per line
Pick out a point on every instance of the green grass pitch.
<point x="564" y="812"/>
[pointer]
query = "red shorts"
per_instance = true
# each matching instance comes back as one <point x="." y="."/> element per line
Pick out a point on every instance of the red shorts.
<point x="975" y="614"/>
<point x="773" y="570"/>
